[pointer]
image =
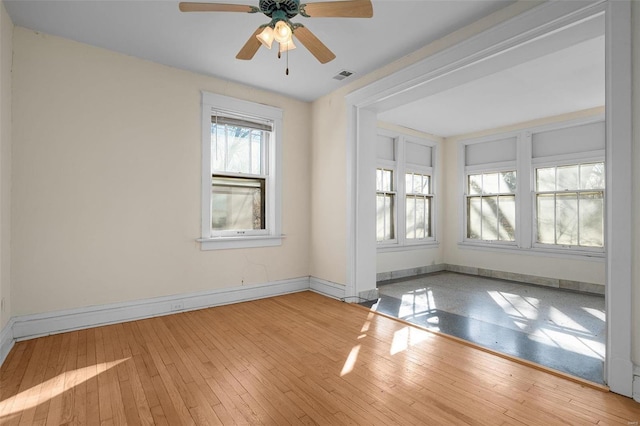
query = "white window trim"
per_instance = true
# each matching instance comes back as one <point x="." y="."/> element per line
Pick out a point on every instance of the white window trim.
<point x="525" y="166"/>
<point x="400" y="242"/>
<point x="273" y="210"/>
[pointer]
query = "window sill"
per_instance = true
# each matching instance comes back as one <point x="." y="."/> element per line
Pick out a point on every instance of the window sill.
<point x="407" y="247"/>
<point x="227" y="243"/>
<point x="535" y="251"/>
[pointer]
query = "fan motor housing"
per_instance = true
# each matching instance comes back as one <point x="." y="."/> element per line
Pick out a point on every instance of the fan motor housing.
<point x="290" y="7"/>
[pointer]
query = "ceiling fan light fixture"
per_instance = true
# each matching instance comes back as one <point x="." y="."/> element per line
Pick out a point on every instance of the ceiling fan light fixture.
<point x="266" y="37"/>
<point x="287" y="46"/>
<point x="282" y="32"/>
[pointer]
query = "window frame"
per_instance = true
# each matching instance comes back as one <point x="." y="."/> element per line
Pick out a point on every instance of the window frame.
<point x="490" y="168"/>
<point x="587" y="157"/>
<point x="393" y="193"/>
<point x="400" y="167"/>
<point x="525" y="166"/>
<point x="231" y="239"/>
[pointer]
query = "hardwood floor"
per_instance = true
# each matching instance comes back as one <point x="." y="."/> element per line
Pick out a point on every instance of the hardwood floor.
<point x="295" y="359"/>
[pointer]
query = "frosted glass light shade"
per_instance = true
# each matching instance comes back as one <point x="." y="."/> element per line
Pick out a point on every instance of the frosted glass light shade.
<point x="282" y="32"/>
<point x="266" y="37"/>
<point x="287" y="46"/>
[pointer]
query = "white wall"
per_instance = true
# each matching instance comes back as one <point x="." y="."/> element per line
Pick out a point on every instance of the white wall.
<point x="6" y="36"/>
<point x="400" y="260"/>
<point x="106" y="181"/>
<point x="548" y="266"/>
<point x="329" y="230"/>
<point x="635" y="49"/>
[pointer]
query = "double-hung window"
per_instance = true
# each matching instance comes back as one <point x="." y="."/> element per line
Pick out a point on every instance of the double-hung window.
<point x="241" y="185"/>
<point x="537" y="189"/>
<point x="404" y="190"/>
<point x="490" y="190"/>
<point x="385" y="205"/>
<point x="570" y="205"/>
<point x="491" y="206"/>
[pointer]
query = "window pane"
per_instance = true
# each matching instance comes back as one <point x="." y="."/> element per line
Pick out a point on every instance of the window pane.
<point x="546" y="218"/>
<point x="385" y="220"/>
<point x="507" y="182"/>
<point x="384" y="180"/>
<point x="546" y="179"/>
<point x="237" y="149"/>
<point x="567" y="178"/>
<point x="490" y="218"/>
<point x="507" y="219"/>
<point x="567" y="219"/>
<point x="411" y="217"/>
<point x="408" y="182"/>
<point x="426" y="184"/>
<point x="420" y="224"/>
<point x="475" y="184"/>
<point x="474" y="220"/>
<point x="491" y="183"/>
<point x="592" y="176"/>
<point x="237" y="204"/>
<point x="592" y="219"/>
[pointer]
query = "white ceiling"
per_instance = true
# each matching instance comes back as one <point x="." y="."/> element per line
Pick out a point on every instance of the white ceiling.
<point x="207" y="42"/>
<point x="559" y="74"/>
<point x="563" y="81"/>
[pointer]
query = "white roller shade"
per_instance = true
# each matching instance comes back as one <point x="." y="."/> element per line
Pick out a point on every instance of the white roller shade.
<point x="570" y="140"/>
<point x="491" y="152"/>
<point x="386" y="148"/>
<point x="418" y="154"/>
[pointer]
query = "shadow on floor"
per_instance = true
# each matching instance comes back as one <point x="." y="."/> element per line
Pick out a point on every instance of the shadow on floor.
<point x="541" y="325"/>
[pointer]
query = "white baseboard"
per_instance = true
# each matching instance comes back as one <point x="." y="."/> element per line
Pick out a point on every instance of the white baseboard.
<point x="6" y="340"/>
<point x="31" y="326"/>
<point x="327" y="288"/>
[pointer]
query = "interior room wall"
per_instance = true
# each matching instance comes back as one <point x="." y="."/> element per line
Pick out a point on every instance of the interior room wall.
<point x="329" y="233"/>
<point x="591" y="271"/>
<point x="414" y="258"/>
<point x="107" y="175"/>
<point x="6" y="50"/>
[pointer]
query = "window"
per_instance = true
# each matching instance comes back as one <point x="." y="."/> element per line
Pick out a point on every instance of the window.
<point x="404" y="191"/>
<point x="241" y="179"/>
<point x="491" y="206"/>
<point x="418" y="206"/>
<point x="385" y="205"/>
<point x="539" y="189"/>
<point x="570" y="205"/>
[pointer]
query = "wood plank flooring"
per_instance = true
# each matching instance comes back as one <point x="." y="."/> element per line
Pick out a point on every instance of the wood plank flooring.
<point x="295" y="359"/>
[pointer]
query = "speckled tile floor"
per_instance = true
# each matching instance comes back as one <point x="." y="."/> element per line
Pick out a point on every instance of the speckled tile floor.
<point x="559" y="329"/>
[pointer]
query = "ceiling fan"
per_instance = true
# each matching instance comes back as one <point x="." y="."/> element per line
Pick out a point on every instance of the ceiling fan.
<point x="281" y="29"/>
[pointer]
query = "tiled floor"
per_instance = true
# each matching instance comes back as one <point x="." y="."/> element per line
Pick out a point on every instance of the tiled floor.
<point x="560" y="329"/>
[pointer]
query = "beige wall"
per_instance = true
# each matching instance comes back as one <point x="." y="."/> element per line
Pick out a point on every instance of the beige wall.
<point x="589" y="271"/>
<point x="6" y="36"/>
<point x="106" y="180"/>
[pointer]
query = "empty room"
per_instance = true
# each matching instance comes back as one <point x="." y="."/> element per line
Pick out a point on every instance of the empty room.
<point x="195" y="197"/>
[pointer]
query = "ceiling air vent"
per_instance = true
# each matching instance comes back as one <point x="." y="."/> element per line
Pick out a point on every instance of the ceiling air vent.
<point x="342" y="75"/>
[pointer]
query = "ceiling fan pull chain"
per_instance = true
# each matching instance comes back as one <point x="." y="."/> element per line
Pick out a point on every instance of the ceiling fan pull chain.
<point x="287" y="71"/>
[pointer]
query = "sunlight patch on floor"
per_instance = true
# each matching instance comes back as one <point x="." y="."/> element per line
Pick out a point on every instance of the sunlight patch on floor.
<point x="420" y="300"/>
<point x="516" y="305"/>
<point x="351" y="361"/>
<point x="596" y="313"/>
<point x="54" y="387"/>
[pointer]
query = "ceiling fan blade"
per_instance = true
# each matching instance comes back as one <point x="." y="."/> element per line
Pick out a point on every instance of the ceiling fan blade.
<point x="250" y="47"/>
<point x="315" y="46"/>
<point x="339" y="9"/>
<point x="214" y="7"/>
